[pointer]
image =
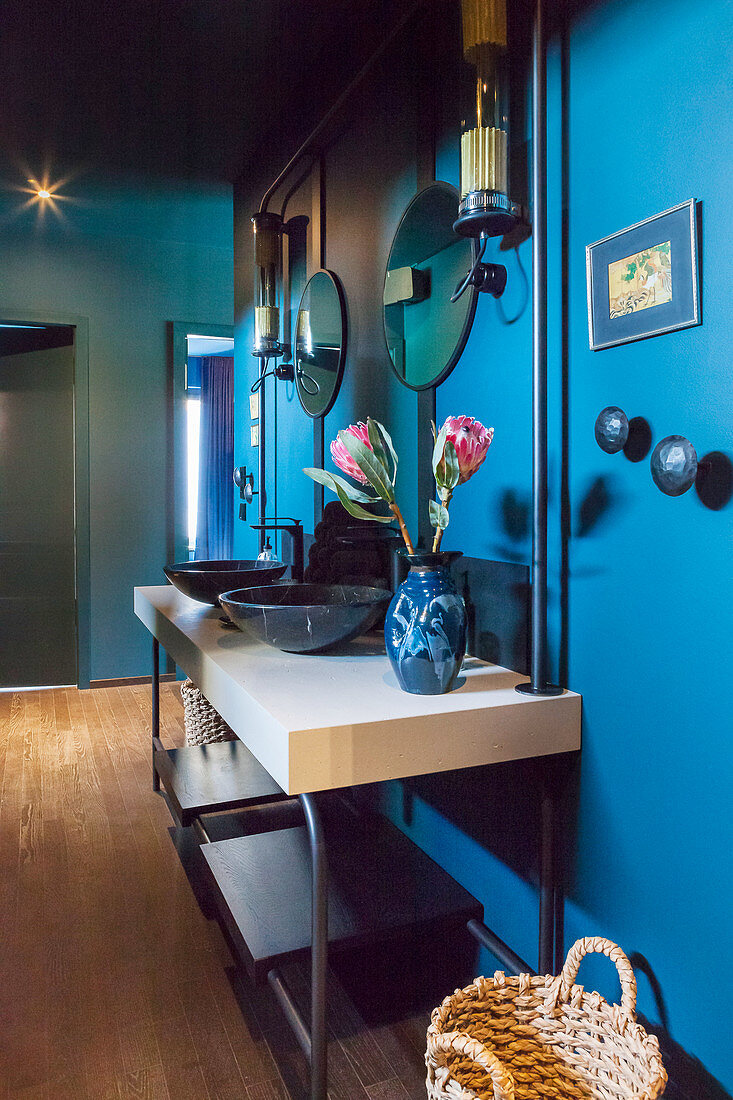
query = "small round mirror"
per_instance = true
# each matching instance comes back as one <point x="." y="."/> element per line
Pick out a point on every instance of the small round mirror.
<point x="320" y="343"/>
<point x="426" y="332"/>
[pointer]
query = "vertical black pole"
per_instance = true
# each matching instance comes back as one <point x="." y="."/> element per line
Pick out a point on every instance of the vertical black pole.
<point x="426" y="108"/>
<point x="538" y="662"/>
<point x="547" y="878"/>
<point x="538" y="670"/>
<point x="319" y="447"/>
<point x="319" y="948"/>
<point x="155" y="722"/>
<point x="262" y="496"/>
<point x="319" y="247"/>
<point x="425" y="479"/>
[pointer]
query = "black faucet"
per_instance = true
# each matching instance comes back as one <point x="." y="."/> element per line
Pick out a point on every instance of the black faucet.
<point x="293" y="528"/>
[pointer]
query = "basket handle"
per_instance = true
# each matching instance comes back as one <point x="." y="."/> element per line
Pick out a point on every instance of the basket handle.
<point x="457" y="1042"/>
<point x="605" y="947"/>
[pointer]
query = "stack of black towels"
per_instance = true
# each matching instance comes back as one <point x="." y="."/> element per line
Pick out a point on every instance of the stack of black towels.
<point x="349" y="551"/>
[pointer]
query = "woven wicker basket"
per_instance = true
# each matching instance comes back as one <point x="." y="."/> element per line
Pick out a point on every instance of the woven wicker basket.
<point x="203" y="724"/>
<point x="531" y="1038"/>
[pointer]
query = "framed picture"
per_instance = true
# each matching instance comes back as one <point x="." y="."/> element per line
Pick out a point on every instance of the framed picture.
<point x="643" y="281"/>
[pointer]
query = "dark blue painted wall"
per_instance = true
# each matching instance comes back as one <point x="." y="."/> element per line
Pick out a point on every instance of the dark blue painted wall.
<point x="130" y="256"/>
<point x="641" y="625"/>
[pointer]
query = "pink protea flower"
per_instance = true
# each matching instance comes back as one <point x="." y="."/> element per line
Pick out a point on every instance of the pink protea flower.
<point x="471" y="441"/>
<point x="343" y="459"/>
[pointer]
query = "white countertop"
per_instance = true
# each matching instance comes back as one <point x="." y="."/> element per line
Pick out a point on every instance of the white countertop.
<point x="337" y="720"/>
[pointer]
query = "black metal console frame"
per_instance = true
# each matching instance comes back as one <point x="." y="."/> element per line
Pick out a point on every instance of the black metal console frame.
<point x="313" y="1037"/>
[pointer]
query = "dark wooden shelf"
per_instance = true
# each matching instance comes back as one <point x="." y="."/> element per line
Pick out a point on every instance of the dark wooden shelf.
<point x="381" y="887"/>
<point x="203" y="779"/>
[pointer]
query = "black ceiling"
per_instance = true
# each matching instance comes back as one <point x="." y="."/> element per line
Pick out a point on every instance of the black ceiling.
<point x="176" y="87"/>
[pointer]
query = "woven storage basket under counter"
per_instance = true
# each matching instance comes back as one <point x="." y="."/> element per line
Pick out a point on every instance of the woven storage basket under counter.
<point x="543" y="1038"/>
<point x="203" y="724"/>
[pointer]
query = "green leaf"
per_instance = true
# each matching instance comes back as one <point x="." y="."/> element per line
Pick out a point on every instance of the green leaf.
<point x="452" y="469"/>
<point x="438" y="449"/>
<point x="323" y="477"/>
<point x="434" y="430"/>
<point x="445" y="461"/>
<point x="390" y="446"/>
<point x="376" y="441"/>
<point x="369" y="465"/>
<point x="357" y="511"/>
<point x="438" y="514"/>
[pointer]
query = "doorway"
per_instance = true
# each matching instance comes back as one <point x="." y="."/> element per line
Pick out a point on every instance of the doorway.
<point x="39" y="637"/>
<point x="200" y="350"/>
<point x="191" y="344"/>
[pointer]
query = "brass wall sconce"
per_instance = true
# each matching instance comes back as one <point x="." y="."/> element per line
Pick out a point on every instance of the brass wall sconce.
<point x="485" y="208"/>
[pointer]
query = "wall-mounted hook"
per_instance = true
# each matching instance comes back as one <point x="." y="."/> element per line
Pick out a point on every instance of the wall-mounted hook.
<point x="614" y="432"/>
<point x="612" y="429"/>
<point x="674" y="465"/>
<point x="246" y="484"/>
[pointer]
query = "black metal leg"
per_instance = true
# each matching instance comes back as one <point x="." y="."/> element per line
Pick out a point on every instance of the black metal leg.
<point x="319" y="949"/>
<point x="547" y="877"/>
<point x="156" y="710"/>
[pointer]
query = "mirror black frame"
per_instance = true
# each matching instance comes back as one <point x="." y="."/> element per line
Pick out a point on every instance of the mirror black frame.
<point x="342" y="354"/>
<point x="460" y="346"/>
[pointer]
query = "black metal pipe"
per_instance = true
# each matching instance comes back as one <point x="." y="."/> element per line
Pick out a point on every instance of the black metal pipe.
<point x="262" y="495"/>
<point x="155" y="718"/>
<point x="538" y="684"/>
<point x="319" y="947"/>
<point x="200" y="829"/>
<point x="546" y="951"/>
<point x="291" y="1010"/>
<point x="497" y="947"/>
<point x="336" y="107"/>
<point x="538" y="670"/>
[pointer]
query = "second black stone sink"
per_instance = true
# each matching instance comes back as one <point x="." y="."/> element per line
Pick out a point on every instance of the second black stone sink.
<point x="305" y="618"/>
<point x="204" y="580"/>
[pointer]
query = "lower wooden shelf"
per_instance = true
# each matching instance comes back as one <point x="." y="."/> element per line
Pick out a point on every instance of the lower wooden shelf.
<point x="201" y="779"/>
<point x="381" y="887"/>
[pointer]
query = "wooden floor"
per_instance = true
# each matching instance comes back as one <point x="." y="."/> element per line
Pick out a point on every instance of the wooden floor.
<point x="112" y="983"/>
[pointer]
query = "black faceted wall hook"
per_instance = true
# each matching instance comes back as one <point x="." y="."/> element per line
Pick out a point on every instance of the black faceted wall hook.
<point x="612" y="429"/>
<point x="245" y="482"/>
<point x="615" y="432"/>
<point x="674" y="465"/>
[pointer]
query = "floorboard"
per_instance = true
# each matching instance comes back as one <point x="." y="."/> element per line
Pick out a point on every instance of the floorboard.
<point x="112" y="983"/>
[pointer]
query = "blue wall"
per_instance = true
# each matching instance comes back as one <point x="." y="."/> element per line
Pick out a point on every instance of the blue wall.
<point x="644" y="108"/>
<point x="650" y="591"/>
<point x="131" y="256"/>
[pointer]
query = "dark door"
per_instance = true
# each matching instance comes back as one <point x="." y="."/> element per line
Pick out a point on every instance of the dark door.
<point x="37" y="563"/>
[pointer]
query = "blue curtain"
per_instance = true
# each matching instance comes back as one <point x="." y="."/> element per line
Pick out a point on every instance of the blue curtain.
<point x="215" y="522"/>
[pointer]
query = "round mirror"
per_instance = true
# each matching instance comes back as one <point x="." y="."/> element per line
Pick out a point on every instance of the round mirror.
<point x="320" y="343"/>
<point x="426" y="332"/>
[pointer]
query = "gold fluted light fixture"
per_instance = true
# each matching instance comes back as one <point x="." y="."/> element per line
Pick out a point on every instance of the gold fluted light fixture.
<point x="268" y="229"/>
<point x="485" y="207"/>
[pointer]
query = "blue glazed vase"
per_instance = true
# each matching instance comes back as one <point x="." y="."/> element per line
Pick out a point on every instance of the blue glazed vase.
<point x="425" y="627"/>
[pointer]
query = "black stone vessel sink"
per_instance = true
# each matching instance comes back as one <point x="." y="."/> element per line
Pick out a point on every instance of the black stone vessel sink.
<point x="204" y="580"/>
<point x="305" y="618"/>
